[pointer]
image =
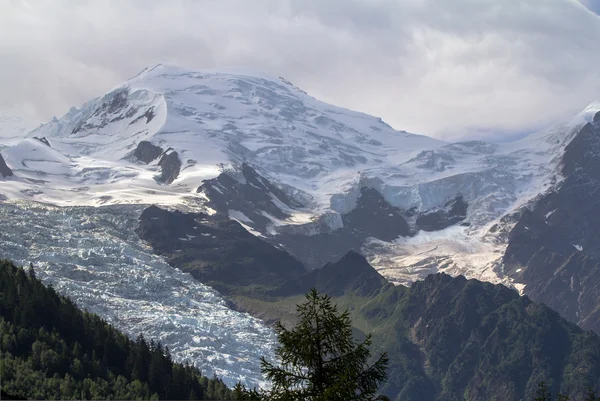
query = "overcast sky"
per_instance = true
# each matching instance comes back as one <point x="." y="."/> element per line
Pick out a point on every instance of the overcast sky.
<point x="446" y="68"/>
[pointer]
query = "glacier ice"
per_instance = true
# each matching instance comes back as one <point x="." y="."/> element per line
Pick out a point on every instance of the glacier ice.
<point x="93" y="255"/>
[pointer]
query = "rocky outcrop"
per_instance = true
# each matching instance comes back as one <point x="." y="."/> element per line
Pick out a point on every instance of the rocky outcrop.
<point x="555" y="247"/>
<point x="373" y="217"/>
<point x="453" y="212"/>
<point x="43" y="140"/>
<point x="169" y="163"/>
<point x="217" y="251"/>
<point x="352" y="274"/>
<point x="250" y="194"/>
<point x="170" y="166"/>
<point x="147" y="152"/>
<point x="5" y="171"/>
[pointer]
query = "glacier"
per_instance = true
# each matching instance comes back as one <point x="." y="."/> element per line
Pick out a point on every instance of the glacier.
<point x="93" y="255"/>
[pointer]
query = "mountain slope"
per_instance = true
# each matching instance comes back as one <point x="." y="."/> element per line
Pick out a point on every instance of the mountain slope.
<point x="291" y="168"/>
<point x="93" y="255"/>
<point x="479" y="341"/>
<point x="283" y="180"/>
<point x="553" y="248"/>
<point x="448" y="338"/>
<point x="216" y="250"/>
<point x="53" y="350"/>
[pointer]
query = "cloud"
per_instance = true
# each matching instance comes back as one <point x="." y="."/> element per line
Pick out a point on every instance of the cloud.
<point x="446" y="68"/>
<point x="592" y="5"/>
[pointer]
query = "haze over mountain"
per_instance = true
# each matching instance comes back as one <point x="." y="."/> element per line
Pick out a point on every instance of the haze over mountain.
<point x="454" y="70"/>
<point x="277" y="184"/>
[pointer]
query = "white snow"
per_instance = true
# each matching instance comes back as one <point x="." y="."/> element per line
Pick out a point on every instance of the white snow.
<point x="452" y="251"/>
<point x="211" y="119"/>
<point x="239" y="216"/>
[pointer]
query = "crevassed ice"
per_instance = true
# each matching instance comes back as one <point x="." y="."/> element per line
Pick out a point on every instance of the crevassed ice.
<point x="94" y="256"/>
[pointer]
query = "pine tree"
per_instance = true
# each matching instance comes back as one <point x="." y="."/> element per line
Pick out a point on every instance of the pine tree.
<point x="31" y="270"/>
<point x="542" y="393"/>
<point x="241" y="393"/>
<point x="591" y="396"/>
<point x="319" y="359"/>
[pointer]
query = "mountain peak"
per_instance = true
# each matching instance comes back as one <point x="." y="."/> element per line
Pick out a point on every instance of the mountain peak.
<point x="174" y="71"/>
<point x="591" y="113"/>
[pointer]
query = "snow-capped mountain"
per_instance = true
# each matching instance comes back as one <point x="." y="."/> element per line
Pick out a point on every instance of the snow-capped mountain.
<point x="289" y="167"/>
<point x="307" y="177"/>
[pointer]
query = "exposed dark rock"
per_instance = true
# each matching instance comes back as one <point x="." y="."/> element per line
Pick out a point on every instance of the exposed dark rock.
<point x="373" y="217"/>
<point x="555" y="248"/>
<point x="432" y="160"/>
<point x="352" y="274"/>
<point x="147" y="152"/>
<point x="256" y="198"/>
<point x="170" y="167"/>
<point x="597" y="117"/>
<point x="114" y="107"/>
<point x="251" y="194"/>
<point x="149" y="115"/>
<point x="5" y="171"/>
<point x="217" y="251"/>
<point x="118" y="102"/>
<point x="453" y="212"/>
<point x="43" y="140"/>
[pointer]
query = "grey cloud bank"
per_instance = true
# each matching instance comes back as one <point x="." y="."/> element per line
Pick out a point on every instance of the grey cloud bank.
<point x="447" y="68"/>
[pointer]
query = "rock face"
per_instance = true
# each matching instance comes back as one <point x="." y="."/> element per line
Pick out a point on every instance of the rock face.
<point x="43" y="140"/>
<point x="250" y="194"/>
<point x="257" y="202"/>
<point x="147" y="152"/>
<point x="5" y="171"/>
<point x="169" y="163"/>
<point x="170" y="167"/>
<point x="453" y="212"/>
<point x="555" y="248"/>
<point x="217" y="251"/>
<point x="373" y="217"/>
<point x="352" y="274"/>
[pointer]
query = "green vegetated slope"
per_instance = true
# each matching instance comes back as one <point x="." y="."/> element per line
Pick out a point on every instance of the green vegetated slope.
<point x="458" y="339"/>
<point x="447" y="338"/>
<point x="52" y="350"/>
